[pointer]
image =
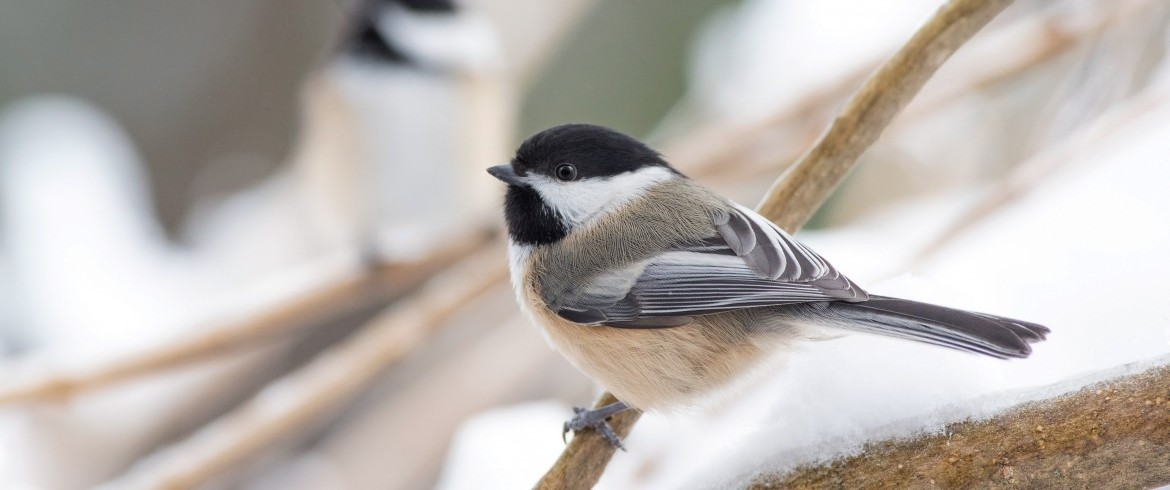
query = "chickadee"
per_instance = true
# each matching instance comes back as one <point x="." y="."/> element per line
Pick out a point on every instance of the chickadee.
<point x="667" y="293"/>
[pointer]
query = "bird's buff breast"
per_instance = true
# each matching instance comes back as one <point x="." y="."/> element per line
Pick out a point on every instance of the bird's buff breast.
<point x="652" y="369"/>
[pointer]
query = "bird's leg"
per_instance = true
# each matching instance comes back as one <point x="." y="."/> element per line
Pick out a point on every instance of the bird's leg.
<point x="596" y="420"/>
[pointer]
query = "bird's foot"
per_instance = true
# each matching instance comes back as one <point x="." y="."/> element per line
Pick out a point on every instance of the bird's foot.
<point x="598" y="420"/>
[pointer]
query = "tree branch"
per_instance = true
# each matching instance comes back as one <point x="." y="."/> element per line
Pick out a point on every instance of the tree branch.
<point x="808" y="183"/>
<point x="585" y="458"/>
<point x="324" y="384"/>
<point x="805" y="186"/>
<point x="995" y="57"/>
<point x="1110" y="434"/>
<point x="377" y="286"/>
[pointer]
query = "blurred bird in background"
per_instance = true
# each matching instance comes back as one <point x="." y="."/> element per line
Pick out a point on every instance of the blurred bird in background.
<point x="92" y="272"/>
<point x="391" y="125"/>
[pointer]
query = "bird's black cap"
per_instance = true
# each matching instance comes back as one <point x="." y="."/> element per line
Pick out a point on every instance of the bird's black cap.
<point x="595" y="151"/>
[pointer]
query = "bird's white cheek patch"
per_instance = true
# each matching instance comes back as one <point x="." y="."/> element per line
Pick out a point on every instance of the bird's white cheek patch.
<point x="578" y="201"/>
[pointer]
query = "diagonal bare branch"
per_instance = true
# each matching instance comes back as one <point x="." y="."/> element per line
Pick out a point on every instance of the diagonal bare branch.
<point x="805" y="186"/>
<point x="808" y="183"/>
<point x="368" y="289"/>
<point x="1007" y="53"/>
<point x="324" y="384"/>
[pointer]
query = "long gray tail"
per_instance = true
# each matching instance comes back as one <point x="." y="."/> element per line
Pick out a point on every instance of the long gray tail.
<point x="980" y="333"/>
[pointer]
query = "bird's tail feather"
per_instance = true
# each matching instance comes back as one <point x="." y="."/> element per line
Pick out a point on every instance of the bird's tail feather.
<point x="980" y="333"/>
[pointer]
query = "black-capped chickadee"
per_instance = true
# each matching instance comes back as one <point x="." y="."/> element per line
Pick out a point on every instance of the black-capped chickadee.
<point x="666" y="293"/>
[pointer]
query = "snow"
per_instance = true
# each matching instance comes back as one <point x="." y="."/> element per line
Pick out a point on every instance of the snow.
<point x="94" y="279"/>
<point x="78" y="231"/>
<point x="504" y="448"/>
<point x="1078" y="253"/>
<point x="87" y="273"/>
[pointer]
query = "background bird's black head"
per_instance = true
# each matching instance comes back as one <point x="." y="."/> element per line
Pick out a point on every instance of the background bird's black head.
<point x="594" y="151"/>
<point x="366" y="40"/>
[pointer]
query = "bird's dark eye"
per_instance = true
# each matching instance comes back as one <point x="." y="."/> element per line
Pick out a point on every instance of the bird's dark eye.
<point x="566" y="171"/>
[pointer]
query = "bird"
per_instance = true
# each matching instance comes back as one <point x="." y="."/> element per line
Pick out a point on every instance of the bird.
<point x="410" y="79"/>
<point x="666" y="293"/>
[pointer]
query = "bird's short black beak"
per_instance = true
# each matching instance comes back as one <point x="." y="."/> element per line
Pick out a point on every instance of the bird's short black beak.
<point x="506" y="174"/>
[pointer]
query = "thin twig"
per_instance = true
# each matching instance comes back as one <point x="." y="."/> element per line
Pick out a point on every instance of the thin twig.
<point x="510" y="365"/>
<point x="586" y="456"/>
<point x="377" y="286"/>
<point x="801" y="190"/>
<point x="806" y="185"/>
<point x="997" y="56"/>
<point x="321" y="386"/>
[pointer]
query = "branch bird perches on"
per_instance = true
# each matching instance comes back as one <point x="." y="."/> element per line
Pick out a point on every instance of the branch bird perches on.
<point x="803" y="188"/>
<point x="808" y="183"/>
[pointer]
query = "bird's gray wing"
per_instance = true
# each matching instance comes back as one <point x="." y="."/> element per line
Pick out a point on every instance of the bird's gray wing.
<point x="747" y="262"/>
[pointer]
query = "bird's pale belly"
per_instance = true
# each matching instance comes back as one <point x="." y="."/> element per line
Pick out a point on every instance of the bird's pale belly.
<point x="664" y="368"/>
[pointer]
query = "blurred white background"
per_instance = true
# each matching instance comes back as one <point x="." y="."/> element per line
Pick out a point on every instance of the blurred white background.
<point x="172" y="172"/>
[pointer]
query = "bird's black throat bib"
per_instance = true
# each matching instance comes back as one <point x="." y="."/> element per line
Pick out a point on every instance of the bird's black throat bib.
<point x="530" y="220"/>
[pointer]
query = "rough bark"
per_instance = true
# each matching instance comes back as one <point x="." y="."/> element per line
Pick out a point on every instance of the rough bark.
<point x="1111" y="434"/>
<point x="585" y="458"/>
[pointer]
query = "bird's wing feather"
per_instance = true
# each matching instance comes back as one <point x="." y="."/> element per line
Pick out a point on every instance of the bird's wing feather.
<point x="747" y="262"/>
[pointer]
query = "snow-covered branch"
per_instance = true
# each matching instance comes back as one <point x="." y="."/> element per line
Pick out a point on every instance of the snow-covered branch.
<point x="1107" y="434"/>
